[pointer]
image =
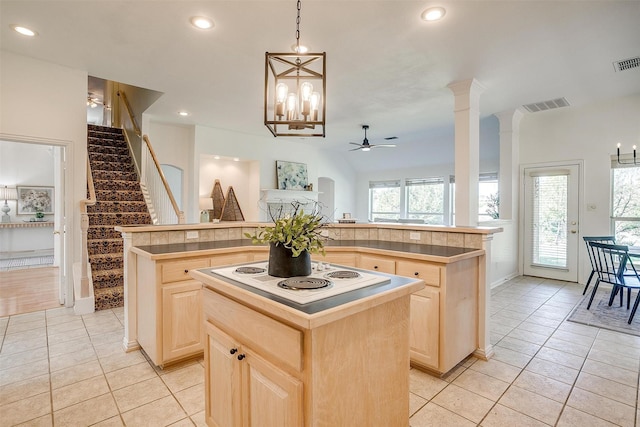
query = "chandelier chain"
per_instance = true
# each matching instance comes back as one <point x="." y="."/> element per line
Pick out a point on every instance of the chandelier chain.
<point x="298" y="26"/>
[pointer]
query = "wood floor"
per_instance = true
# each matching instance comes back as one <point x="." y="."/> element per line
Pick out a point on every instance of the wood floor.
<point x="28" y="290"/>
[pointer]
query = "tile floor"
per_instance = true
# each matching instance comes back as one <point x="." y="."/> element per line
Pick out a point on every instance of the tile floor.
<point x="65" y="370"/>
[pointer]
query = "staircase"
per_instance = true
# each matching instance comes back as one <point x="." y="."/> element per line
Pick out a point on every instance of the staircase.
<point x="119" y="201"/>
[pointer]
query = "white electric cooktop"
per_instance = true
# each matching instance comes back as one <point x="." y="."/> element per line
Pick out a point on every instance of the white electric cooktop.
<point x="329" y="280"/>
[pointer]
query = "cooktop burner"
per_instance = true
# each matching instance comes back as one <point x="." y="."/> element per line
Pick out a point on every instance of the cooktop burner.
<point x="250" y="270"/>
<point x="299" y="283"/>
<point x="343" y="274"/>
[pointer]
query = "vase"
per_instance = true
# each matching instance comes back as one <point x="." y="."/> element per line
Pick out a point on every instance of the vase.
<point x="282" y="263"/>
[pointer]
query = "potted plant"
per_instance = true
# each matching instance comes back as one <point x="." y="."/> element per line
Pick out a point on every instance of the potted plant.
<point x="294" y="236"/>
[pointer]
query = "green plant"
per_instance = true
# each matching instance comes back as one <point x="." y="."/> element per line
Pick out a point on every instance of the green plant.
<point x="296" y="230"/>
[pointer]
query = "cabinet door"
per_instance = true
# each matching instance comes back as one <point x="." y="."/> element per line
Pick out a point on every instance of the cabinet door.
<point x="381" y="264"/>
<point x="181" y="320"/>
<point x="424" y="327"/>
<point x="222" y="380"/>
<point x="271" y="397"/>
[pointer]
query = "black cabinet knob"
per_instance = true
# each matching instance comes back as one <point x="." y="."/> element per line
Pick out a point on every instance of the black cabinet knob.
<point x="416" y="273"/>
<point x="186" y="271"/>
<point x="241" y="356"/>
<point x="375" y="267"/>
<point x="233" y="351"/>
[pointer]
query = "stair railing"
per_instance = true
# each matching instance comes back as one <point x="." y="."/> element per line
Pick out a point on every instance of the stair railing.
<point x="164" y="203"/>
<point x="151" y="176"/>
<point x="84" y="227"/>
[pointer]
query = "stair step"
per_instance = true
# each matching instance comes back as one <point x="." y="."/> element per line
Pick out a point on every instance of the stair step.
<point x="107" y="149"/>
<point x="108" y="157"/>
<point x="119" y="196"/>
<point x="109" y="246"/>
<point x="110" y="166"/>
<point x="106" y="262"/>
<point x="110" y="207"/>
<point x="103" y="232"/>
<point x="107" y="142"/>
<point x="116" y="184"/>
<point x="109" y="298"/>
<point x="119" y="218"/>
<point x="114" y="175"/>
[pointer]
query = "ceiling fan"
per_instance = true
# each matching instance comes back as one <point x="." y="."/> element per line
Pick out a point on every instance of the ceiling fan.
<point x="365" y="146"/>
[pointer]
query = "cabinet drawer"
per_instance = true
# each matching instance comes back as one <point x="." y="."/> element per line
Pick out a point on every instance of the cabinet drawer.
<point x="176" y="271"/>
<point x="347" y="259"/>
<point x="255" y="330"/>
<point x="430" y="273"/>
<point x="383" y="265"/>
<point x="220" y="260"/>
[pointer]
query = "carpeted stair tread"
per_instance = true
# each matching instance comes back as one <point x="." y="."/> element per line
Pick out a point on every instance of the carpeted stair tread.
<point x="109" y="297"/>
<point x="119" y="201"/>
<point x="116" y="184"/>
<point x="109" y="206"/>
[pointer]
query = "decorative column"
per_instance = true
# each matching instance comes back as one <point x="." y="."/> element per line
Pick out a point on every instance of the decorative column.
<point x="467" y="150"/>
<point x="509" y="161"/>
<point x="130" y="340"/>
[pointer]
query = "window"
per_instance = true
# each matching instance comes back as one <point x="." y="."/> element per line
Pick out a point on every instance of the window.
<point x="488" y="199"/>
<point x="425" y="199"/>
<point x="625" y="203"/>
<point x="384" y="200"/>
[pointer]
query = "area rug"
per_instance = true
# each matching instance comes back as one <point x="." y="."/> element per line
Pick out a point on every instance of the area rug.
<point x="16" y="263"/>
<point x="601" y="315"/>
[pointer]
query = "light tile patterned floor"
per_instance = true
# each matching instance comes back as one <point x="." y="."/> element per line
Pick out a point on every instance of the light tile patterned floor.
<point x="65" y="370"/>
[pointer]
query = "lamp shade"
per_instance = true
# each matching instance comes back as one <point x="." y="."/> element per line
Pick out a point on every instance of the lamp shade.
<point x="206" y="203"/>
<point x="8" y="193"/>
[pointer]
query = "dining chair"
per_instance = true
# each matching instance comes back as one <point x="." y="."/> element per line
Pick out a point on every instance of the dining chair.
<point x="600" y="239"/>
<point x="615" y="267"/>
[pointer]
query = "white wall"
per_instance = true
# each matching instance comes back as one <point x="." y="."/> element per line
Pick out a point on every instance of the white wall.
<point x="44" y="102"/>
<point x="262" y="153"/>
<point x="587" y="133"/>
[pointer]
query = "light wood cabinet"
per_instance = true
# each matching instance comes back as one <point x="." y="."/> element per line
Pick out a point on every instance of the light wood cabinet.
<point x="267" y="364"/>
<point x="424" y="327"/>
<point x="245" y="389"/>
<point x="377" y="263"/>
<point x="340" y="258"/>
<point x="181" y="320"/>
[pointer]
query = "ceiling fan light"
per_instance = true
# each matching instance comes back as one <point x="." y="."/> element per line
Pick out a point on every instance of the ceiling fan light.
<point x="433" y="14"/>
<point x="24" y="30"/>
<point x="366" y="148"/>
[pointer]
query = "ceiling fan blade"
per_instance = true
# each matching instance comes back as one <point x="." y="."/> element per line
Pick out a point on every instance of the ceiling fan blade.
<point x="389" y="138"/>
<point x="356" y="149"/>
<point x="383" y="145"/>
<point x="355" y="143"/>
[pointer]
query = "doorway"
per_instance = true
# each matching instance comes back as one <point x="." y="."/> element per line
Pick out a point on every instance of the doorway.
<point x="551" y="221"/>
<point x="32" y="243"/>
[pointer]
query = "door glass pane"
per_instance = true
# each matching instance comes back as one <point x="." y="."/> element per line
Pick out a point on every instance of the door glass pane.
<point x="549" y="219"/>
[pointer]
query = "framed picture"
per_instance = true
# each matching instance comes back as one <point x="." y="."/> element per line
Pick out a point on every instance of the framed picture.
<point x="35" y="199"/>
<point x="291" y="175"/>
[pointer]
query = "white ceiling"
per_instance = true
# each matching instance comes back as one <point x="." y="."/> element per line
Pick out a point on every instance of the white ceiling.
<point x="385" y="66"/>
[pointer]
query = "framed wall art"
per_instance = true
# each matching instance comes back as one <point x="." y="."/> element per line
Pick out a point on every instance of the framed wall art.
<point x="291" y="175"/>
<point x="32" y="200"/>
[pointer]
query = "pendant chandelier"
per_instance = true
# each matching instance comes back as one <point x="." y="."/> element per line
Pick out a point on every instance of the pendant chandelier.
<point x="629" y="162"/>
<point x="295" y="91"/>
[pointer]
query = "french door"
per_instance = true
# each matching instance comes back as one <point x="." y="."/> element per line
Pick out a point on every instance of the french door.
<point x="551" y="221"/>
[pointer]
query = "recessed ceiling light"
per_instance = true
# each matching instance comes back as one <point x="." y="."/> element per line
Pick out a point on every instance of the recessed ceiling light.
<point x="183" y="113"/>
<point x="235" y="159"/>
<point x="201" y="22"/>
<point x="24" y="30"/>
<point x="216" y="157"/>
<point x="433" y="14"/>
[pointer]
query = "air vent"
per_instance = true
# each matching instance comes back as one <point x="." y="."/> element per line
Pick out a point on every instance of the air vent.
<point x="546" y="105"/>
<point x="627" y="64"/>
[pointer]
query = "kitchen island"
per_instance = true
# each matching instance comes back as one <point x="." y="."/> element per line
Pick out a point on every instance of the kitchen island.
<point x="339" y="360"/>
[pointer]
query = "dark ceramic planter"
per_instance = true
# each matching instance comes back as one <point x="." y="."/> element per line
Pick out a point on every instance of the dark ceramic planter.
<point x="282" y="263"/>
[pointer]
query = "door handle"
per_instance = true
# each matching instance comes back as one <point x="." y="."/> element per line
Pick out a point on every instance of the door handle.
<point x="573" y="231"/>
<point x="56" y="232"/>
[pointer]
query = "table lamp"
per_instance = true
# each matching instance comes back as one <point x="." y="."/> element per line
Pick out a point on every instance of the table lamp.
<point x="7" y="193"/>
<point x="206" y="204"/>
